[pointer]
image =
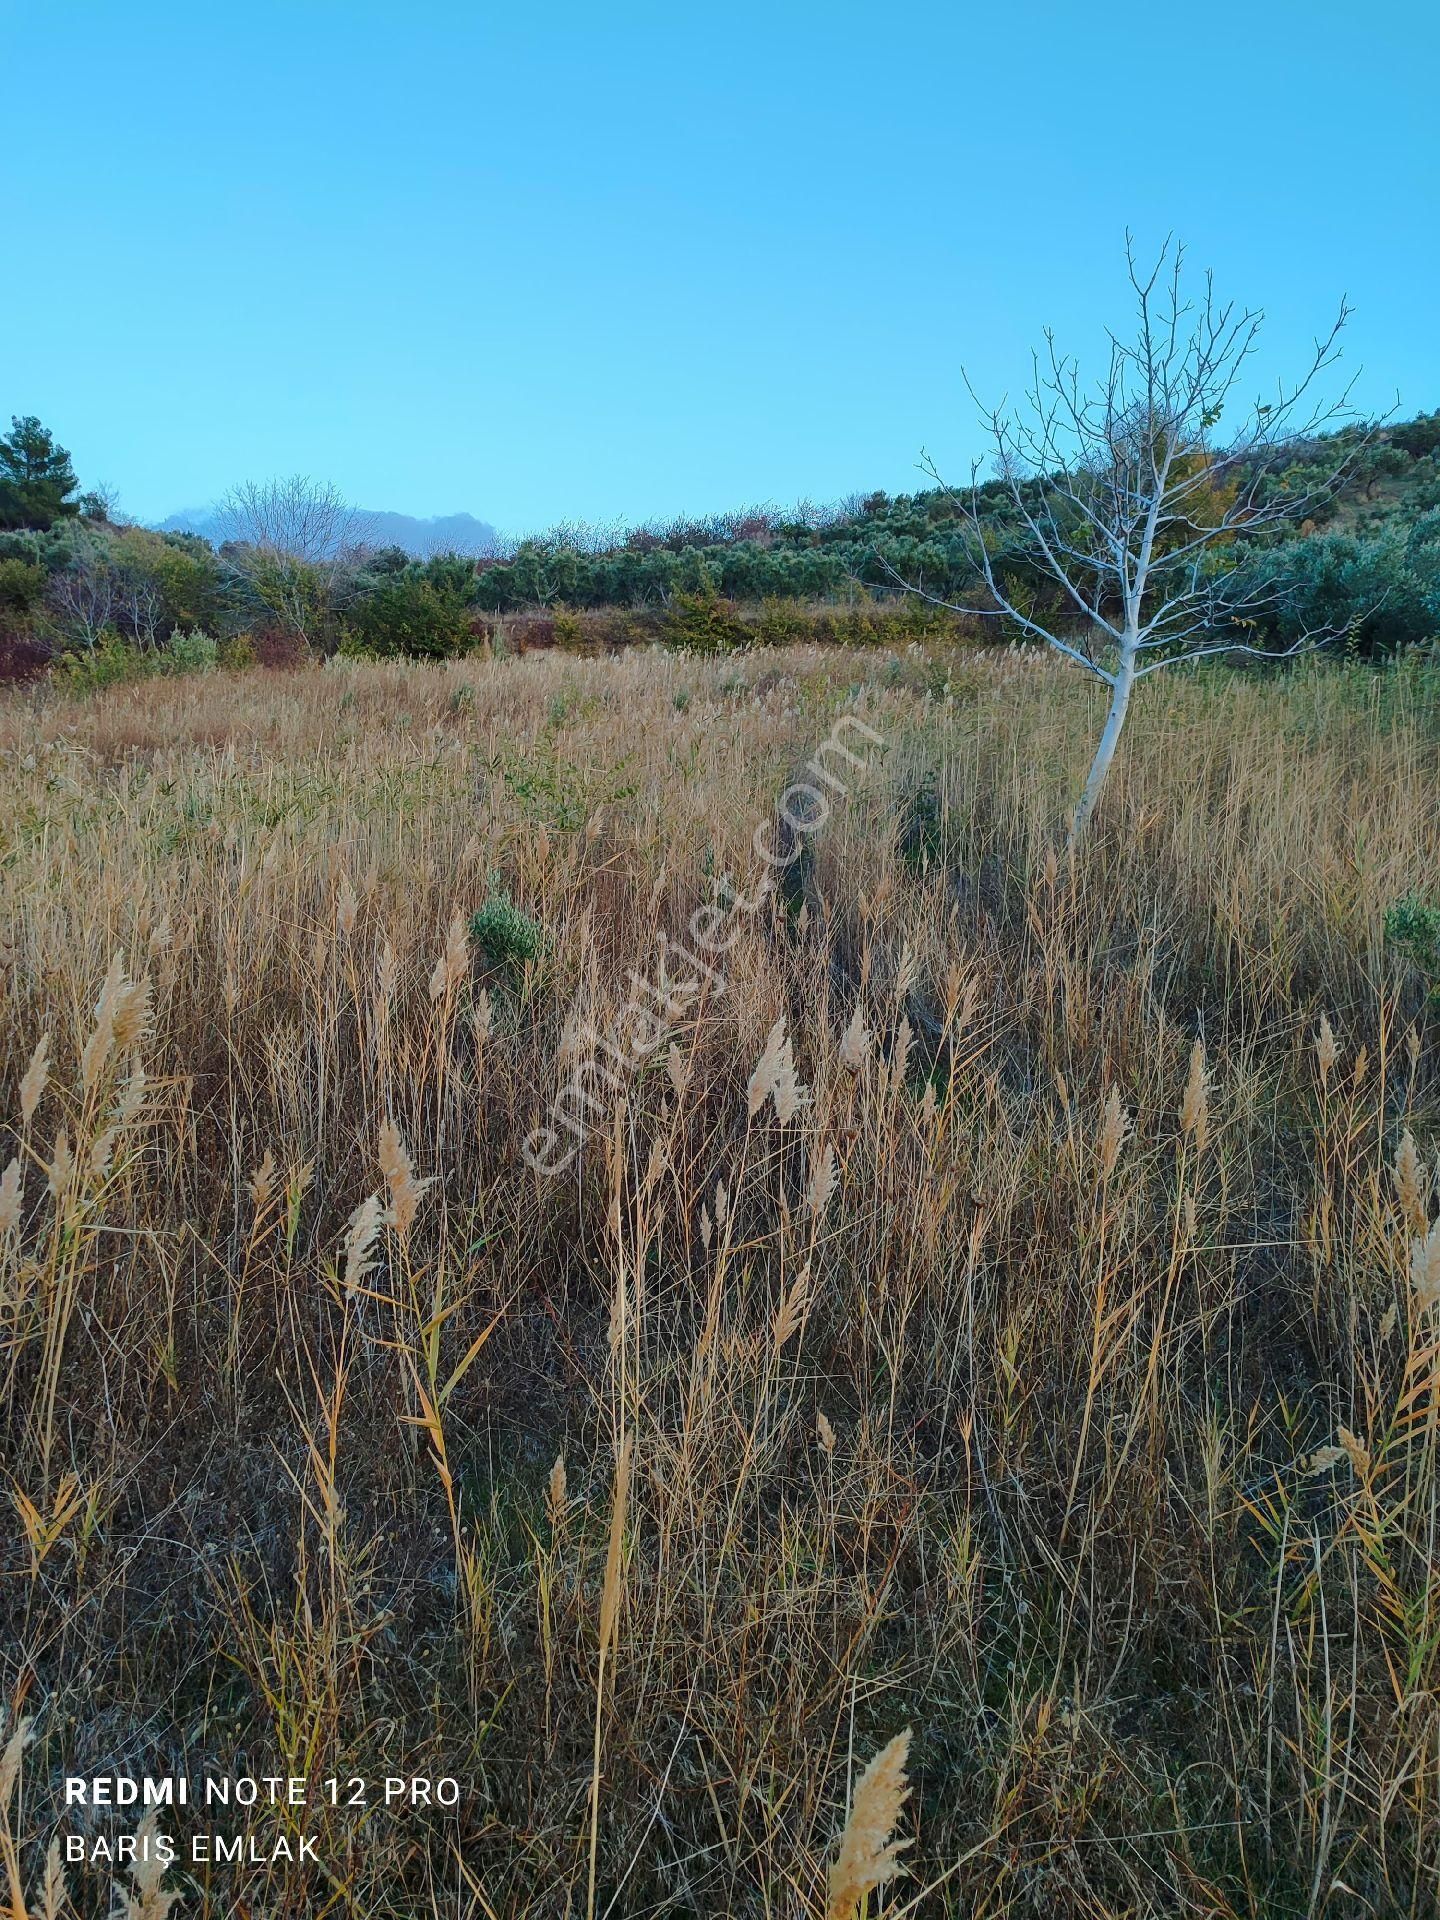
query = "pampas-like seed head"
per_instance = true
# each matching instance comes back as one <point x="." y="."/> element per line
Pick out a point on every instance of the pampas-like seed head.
<point x="54" y="1892"/>
<point x="794" y="1310"/>
<point x="1324" y="1458"/>
<point x="788" y="1093"/>
<point x="360" y="1238"/>
<point x="1195" y="1106"/>
<point x="822" y="1180"/>
<point x="555" y="1491"/>
<point x="132" y="1015"/>
<point x="10" y="1196"/>
<point x="825" y="1433"/>
<point x="96" y="1051"/>
<point x="37" y="1075"/>
<point x="262" y="1182"/>
<point x="62" y="1167"/>
<point x="762" y="1080"/>
<point x="676" y="1068"/>
<point x="450" y="967"/>
<point x="1327" y="1052"/>
<point x="132" y="1095"/>
<point x="10" y="1763"/>
<point x="404" y="1189"/>
<point x="97" y="1161"/>
<point x="149" y="1901"/>
<point x="900" y="1057"/>
<point x="1113" y="1129"/>
<point x="1357" y="1454"/>
<point x="1425" y="1269"/>
<point x="387" y="973"/>
<point x="868" y="1855"/>
<point x="1410" y="1184"/>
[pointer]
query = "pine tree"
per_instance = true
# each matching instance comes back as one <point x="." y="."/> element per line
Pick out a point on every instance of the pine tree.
<point x="36" y="477"/>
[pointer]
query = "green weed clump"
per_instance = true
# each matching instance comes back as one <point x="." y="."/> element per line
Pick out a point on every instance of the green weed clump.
<point x="505" y="934"/>
<point x="1412" y="927"/>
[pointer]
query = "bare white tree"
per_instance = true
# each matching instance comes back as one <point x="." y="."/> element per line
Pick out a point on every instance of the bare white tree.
<point x="83" y="596"/>
<point x="289" y="541"/>
<point x="101" y="589"/>
<point x="1127" y="499"/>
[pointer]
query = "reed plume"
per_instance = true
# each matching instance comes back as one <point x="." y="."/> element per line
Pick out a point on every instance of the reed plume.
<point x="868" y="1854"/>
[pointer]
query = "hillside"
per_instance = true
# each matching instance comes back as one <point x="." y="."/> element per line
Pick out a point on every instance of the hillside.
<point x="1377" y="541"/>
<point x="106" y="600"/>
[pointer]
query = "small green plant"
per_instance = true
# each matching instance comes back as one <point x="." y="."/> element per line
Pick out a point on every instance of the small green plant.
<point x="1412" y="927"/>
<point x="109" y="664"/>
<point x="702" y="622"/>
<point x="503" y="932"/>
<point x="192" y="652"/>
<point x="462" y="700"/>
<point x="921" y="839"/>
<point x="570" y="634"/>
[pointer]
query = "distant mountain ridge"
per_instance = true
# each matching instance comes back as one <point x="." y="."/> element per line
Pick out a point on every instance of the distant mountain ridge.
<point x="445" y="533"/>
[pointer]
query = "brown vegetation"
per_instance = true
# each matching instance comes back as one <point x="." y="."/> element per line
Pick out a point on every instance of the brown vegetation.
<point x="1045" y="1362"/>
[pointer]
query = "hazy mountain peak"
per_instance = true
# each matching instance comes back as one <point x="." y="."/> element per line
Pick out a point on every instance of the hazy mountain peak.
<point x="442" y="533"/>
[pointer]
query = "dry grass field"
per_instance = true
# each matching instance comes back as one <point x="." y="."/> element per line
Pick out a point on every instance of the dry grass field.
<point x="1032" y="1343"/>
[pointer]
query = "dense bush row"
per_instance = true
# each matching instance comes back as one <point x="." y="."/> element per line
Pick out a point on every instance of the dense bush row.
<point x="101" y="599"/>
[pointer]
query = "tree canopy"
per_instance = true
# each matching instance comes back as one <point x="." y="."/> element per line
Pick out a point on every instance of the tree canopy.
<point x="37" y="481"/>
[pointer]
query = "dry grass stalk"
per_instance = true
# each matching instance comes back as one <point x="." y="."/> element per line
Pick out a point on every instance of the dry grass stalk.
<point x="454" y="962"/>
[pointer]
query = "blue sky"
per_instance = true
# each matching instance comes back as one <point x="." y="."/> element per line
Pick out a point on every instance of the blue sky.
<point x="587" y="261"/>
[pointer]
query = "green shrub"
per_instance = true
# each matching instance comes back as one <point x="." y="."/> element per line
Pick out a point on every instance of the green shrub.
<point x="1412" y="927"/>
<point x="414" y="612"/>
<point x="192" y="652"/>
<point x="21" y="584"/>
<point x="1383" y="587"/>
<point x="109" y="663"/>
<point x="701" y="622"/>
<point x="506" y="935"/>
<point x="570" y="634"/>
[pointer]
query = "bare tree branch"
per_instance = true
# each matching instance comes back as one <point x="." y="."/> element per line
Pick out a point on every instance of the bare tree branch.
<point x="1128" y="497"/>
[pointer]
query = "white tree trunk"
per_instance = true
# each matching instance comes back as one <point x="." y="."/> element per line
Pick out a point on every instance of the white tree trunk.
<point x="1105" y="752"/>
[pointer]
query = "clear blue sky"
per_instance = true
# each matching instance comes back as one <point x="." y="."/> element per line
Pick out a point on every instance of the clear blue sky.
<point x="550" y="261"/>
